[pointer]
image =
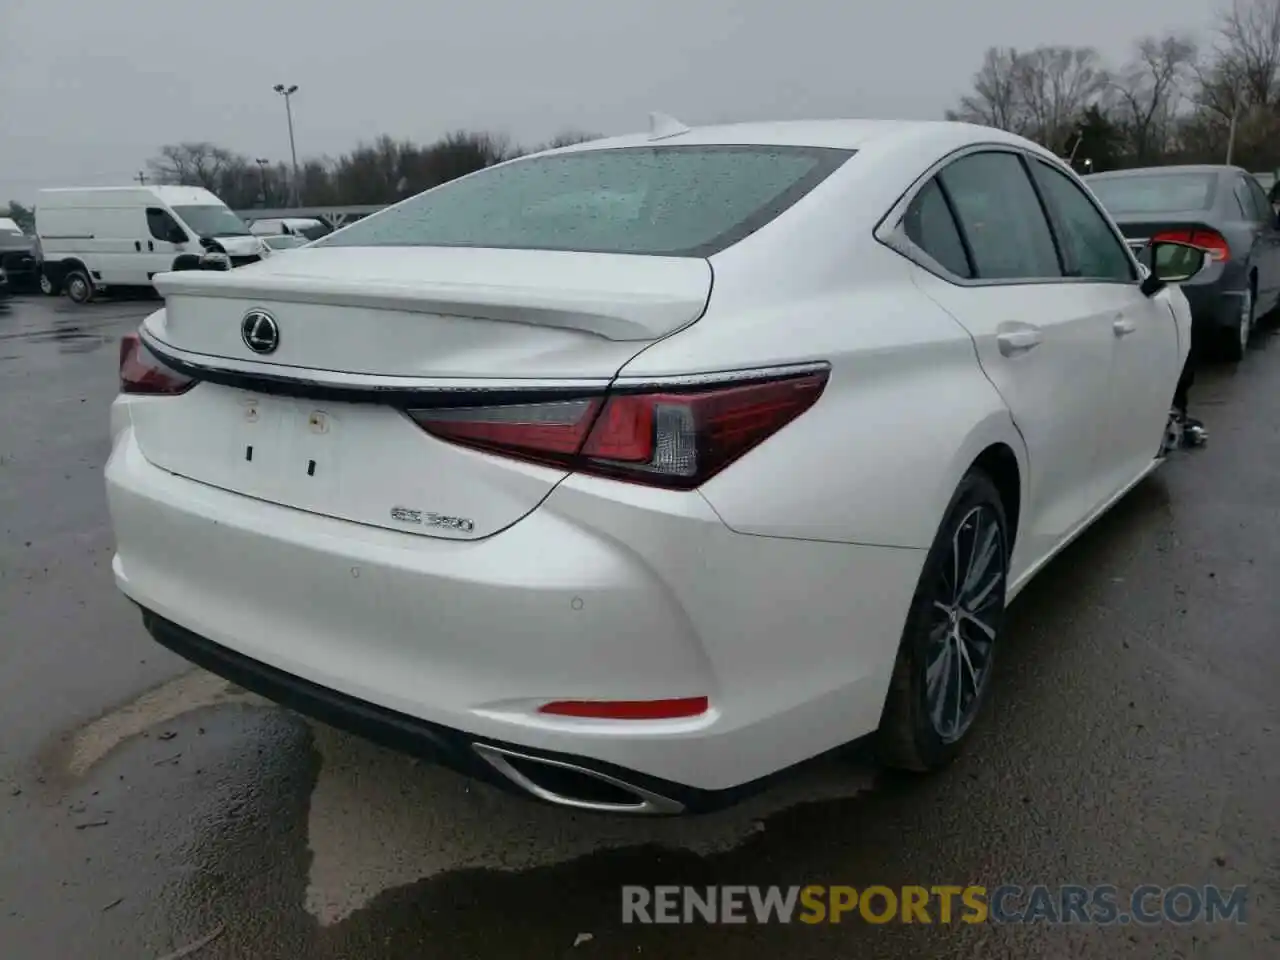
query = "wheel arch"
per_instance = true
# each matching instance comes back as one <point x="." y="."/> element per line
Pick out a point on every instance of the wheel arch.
<point x="57" y="270"/>
<point x="1000" y="463"/>
<point x="996" y="447"/>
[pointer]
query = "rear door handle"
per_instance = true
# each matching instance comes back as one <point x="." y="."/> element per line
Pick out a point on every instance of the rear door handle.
<point x="1014" y="342"/>
<point x="1123" y="326"/>
<point x="137" y="245"/>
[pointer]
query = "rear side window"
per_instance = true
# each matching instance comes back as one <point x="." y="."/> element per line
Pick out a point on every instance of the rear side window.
<point x="1241" y="190"/>
<point x="929" y="225"/>
<point x="659" y="201"/>
<point x="1089" y="245"/>
<point x="1243" y="203"/>
<point x="1001" y="218"/>
<point x="1260" y="201"/>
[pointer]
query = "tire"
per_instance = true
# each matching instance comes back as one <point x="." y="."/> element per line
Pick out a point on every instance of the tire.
<point x="78" y="285"/>
<point x="47" y="286"/>
<point x="1235" y="340"/>
<point x="924" y="731"/>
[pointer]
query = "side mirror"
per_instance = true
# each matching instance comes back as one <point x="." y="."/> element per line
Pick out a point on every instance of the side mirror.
<point x="1172" y="262"/>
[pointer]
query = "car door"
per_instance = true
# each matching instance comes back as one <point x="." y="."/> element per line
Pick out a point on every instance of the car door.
<point x="1046" y="348"/>
<point x="1147" y="357"/>
<point x="1268" y="245"/>
<point x="159" y="249"/>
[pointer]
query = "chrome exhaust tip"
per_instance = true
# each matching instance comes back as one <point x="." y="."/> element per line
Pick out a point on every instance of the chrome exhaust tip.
<point x="570" y="785"/>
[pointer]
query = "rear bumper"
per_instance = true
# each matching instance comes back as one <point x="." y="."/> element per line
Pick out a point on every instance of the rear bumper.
<point x="1215" y="304"/>
<point x="20" y="268"/>
<point x="447" y="747"/>
<point x="605" y="592"/>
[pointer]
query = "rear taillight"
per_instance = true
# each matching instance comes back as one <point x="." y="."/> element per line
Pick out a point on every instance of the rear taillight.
<point x="677" y="438"/>
<point x="1209" y="240"/>
<point x="141" y="372"/>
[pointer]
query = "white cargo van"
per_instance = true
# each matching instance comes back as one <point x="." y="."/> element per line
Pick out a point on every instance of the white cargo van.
<point x="94" y="238"/>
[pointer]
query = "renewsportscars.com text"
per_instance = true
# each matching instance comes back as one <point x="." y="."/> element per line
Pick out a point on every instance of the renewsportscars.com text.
<point x="1008" y="903"/>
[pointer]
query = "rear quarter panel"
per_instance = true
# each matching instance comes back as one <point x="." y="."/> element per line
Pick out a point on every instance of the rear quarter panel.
<point x="905" y="413"/>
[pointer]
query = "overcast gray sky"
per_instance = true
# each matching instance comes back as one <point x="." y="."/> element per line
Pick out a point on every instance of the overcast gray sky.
<point x="90" y="88"/>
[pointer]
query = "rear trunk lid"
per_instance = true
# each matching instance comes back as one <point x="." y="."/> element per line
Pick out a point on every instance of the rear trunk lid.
<point x="317" y="423"/>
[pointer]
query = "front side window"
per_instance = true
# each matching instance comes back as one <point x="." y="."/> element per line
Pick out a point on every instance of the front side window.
<point x="162" y="226"/>
<point x="929" y="225"/>
<point x="211" y="220"/>
<point x="1089" y="245"/>
<point x="660" y="201"/>
<point x="1001" y="218"/>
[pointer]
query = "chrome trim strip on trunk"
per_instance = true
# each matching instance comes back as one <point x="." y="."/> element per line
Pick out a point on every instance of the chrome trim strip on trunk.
<point x="256" y="376"/>
<point x="694" y="380"/>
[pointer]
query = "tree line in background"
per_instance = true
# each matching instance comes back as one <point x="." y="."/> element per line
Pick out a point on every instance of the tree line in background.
<point x="1171" y="102"/>
<point x="384" y="171"/>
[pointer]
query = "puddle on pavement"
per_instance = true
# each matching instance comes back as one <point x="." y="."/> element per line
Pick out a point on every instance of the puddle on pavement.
<point x="70" y="338"/>
<point x="378" y="820"/>
<point x="185" y="694"/>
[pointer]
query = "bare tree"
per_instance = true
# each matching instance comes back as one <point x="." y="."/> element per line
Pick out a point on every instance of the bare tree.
<point x="1055" y="86"/>
<point x="384" y="171"/>
<point x="195" y="164"/>
<point x="1150" y="91"/>
<point x="1250" y="52"/>
<point x="1238" y="95"/>
<point x="995" y="100"/>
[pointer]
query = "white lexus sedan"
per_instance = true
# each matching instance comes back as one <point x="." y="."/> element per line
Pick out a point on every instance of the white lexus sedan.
<point x="630" y="474"/>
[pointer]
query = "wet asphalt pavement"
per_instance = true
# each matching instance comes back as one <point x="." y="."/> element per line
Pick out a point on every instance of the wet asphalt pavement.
<point x="1134" y="737"/>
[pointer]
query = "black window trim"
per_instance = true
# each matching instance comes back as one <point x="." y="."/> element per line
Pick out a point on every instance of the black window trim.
<point x="889" y="231"/>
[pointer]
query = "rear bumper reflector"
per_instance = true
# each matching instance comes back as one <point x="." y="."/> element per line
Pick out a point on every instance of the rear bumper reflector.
<point x="628" y="709"/>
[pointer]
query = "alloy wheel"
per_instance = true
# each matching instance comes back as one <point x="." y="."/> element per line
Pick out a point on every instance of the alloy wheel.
<point x="78" y="288"/>
<point x="966" y="615"/>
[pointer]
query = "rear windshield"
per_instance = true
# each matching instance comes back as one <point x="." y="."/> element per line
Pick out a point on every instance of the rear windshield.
<point x="1155" y="192"/>
<point x="659" y="201"/>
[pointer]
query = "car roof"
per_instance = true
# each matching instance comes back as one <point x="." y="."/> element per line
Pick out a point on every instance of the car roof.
<point x="849" y="134"/>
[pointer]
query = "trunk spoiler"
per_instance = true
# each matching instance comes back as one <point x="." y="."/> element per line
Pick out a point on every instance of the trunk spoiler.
<point x="614" y="314"/>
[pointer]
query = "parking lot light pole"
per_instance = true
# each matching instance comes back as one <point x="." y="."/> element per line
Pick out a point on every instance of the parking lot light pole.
<point x="287" y="92"/>
<point x="262" y="169"/>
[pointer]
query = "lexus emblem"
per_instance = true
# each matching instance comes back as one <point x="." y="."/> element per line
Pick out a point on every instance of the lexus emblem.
<point x="260" y="332"/>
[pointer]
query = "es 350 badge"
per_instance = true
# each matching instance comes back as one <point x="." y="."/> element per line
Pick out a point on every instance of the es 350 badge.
<point x="426" y="518"/>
